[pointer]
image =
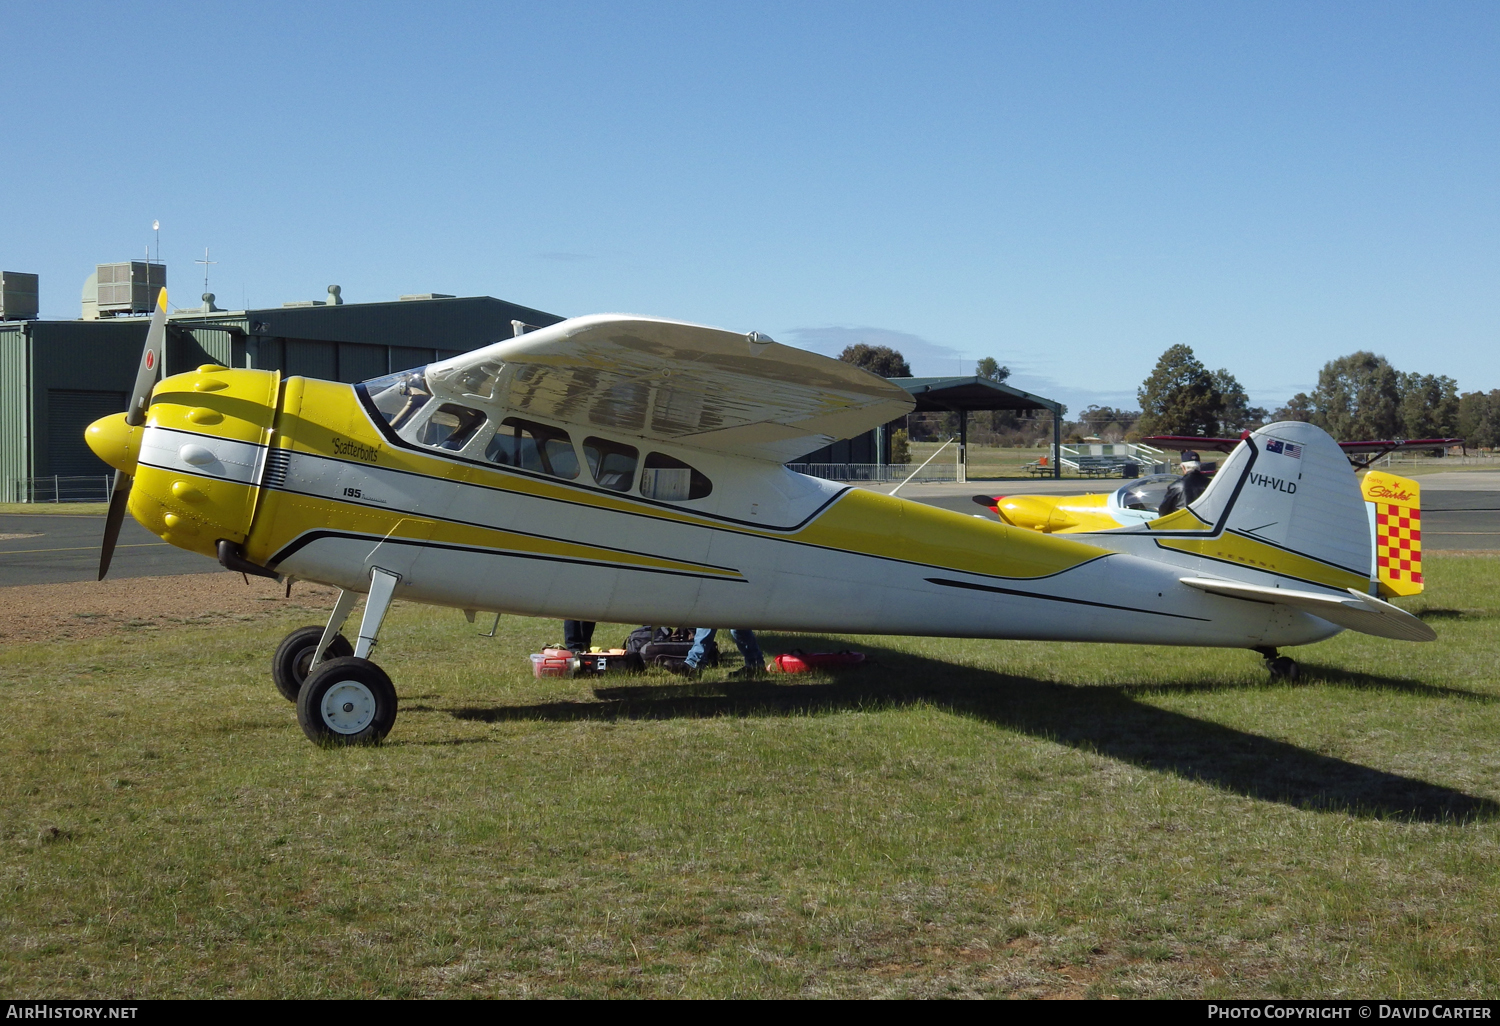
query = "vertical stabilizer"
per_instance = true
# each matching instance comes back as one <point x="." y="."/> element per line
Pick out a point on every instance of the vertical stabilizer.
<point x="1396" y="509"/>
<point x="1286" y="501"/>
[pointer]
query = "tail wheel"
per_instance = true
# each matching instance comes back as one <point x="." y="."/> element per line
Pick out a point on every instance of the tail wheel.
<point x="347" y="701"/>
<point x="293" y="657"/>
<point x="1284" y="668"/>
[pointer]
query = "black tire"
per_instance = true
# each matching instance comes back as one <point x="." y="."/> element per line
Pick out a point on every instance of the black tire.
<point x="1285" y="668"/>
<point x="289" y="664"/>
<point x="347" y="701"/>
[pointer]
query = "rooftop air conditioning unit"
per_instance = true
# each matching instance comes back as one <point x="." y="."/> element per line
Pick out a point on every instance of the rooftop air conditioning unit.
<point x="129" y="287"/>
<point x="18" y="296"/>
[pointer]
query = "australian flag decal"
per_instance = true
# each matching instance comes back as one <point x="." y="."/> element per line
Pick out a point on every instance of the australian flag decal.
<point x="1285" y="448"/>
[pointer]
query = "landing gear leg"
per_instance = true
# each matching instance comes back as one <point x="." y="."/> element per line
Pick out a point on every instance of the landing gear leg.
<point x="382" y="588"/>
<point x="1281" y="667"/>
<point x="349" y="700"/>
<point x="335" y="624"/>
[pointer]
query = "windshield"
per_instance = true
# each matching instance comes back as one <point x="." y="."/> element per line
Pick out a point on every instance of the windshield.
<point x="1145" y="493"/>
<point x="399" y="396"/>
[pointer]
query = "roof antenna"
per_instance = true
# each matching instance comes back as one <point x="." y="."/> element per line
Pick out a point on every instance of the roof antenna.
<point x="156" y="227"/>
<point x="206" y="262"/>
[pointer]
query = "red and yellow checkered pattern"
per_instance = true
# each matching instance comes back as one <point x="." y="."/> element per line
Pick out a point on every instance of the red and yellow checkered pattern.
<point x="1398" y="542"/>
<point x="1397" y="502"/>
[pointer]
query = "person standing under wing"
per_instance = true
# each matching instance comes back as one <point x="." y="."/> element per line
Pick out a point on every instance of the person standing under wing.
<point x="744" y="640"/>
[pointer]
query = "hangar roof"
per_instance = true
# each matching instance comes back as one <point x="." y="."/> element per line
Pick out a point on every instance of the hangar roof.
<point x="971" y="393"/>
<point x="460" y="324"/>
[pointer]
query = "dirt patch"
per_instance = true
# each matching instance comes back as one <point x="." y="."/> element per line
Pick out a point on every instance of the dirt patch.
<point x="89" y="609"/>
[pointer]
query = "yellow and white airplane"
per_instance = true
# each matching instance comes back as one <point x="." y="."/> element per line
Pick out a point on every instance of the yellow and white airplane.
<point x="629" y="469"/>
<point x="1393" y="505"/>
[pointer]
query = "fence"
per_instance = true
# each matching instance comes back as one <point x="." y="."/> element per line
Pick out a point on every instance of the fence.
<point x="877" y="473"/>
<point x="1467" y="460"/>
<point x="62" y="488"/>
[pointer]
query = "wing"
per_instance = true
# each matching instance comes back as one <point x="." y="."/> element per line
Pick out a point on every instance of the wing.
<point x="1195" y="442"/>
<point x="1361" y="454"/>
<point x="703" y="387"/>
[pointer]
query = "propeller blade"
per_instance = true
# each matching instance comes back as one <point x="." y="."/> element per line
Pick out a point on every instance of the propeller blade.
<point x="152" y="358"/>
<point x="116" y="516"/>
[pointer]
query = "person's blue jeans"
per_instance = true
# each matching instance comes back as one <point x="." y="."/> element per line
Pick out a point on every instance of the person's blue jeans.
<point x="743" y="640"/>
<point x="578" y="635"/>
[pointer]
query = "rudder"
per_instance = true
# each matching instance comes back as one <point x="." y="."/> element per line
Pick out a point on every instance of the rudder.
<point x="1395" y="511"/>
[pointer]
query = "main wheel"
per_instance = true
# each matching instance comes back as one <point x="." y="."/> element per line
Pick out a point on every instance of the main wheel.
<point x="347" y="701"/>
<point x="294" y="655"/>
<point x="1284" y="668"/>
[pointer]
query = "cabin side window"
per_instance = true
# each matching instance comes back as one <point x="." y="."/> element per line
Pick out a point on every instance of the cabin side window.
<point x="451" y="426"/>
<point x="611" y="463"/>
<point x="672" y="480"/>
<point x="535" y="447"/>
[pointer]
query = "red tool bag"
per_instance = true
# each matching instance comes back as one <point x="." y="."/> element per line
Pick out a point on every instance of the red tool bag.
<point x="798" y="661"/>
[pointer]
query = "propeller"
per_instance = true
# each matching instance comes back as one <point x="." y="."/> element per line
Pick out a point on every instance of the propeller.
<point x="146" y="377"/>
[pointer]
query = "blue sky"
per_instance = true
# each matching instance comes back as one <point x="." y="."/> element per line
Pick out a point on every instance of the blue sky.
<point x="1070" y="188"/>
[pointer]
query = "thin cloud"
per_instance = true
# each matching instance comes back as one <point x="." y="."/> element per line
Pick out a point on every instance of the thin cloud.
<point x="927" y="359"/>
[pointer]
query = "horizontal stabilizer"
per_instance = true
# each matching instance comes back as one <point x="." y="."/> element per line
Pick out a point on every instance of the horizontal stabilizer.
<point x="1357" y="612"/>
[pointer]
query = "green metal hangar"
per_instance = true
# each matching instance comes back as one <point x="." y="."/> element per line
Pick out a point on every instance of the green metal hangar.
<point x="57" y="377"/>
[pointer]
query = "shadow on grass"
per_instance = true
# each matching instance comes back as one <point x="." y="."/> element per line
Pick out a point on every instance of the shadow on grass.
<point x="1104" y="720"/>
<point x="1312" y="674"/>
<point x="1440" y="614"/>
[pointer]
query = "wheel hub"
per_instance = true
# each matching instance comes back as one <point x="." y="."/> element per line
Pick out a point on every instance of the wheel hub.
<point x="348" y="707"/>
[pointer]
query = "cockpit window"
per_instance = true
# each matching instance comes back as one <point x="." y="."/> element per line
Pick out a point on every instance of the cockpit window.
<point x="451" y="426"/>
<point x="611" y="463"/>
<point x="534" y="447"/>
<point x="399" y="396"/>
<point x="1145" y="494"/>
<point x="672" y="480"/>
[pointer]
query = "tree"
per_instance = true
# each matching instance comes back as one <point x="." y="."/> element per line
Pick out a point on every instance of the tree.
<point x="900" y="446"/>
<point x="1429" y="406"/>
<point x="1358" y="397"/>
<point x="1298" y="407"/>
<point x="1479" y="419"/>
<point x="1106" y="420"/>
<point x="1179" y="398"/>
<point x="882" y="360"/>
<point x="988" y="368"/>
<point x="1235" y="412"/>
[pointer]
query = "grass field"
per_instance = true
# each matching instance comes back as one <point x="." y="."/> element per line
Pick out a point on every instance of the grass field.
<point x="958" y="818"/>
<point x="985" y="461"/>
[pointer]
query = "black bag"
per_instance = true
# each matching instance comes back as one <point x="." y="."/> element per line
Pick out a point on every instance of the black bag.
<point x="638" y="639"/>
<point x="669" y="648"/>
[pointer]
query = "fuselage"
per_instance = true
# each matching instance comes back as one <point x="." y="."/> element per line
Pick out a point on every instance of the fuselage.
<point x="317" y="481"/>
